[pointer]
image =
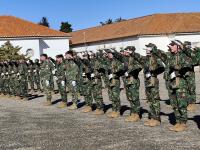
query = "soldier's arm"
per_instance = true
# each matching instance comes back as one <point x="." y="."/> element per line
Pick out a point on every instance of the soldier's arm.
<point x="52" y="60"/>
<point x="140" y="59"/>
<point x="160" y="54"/>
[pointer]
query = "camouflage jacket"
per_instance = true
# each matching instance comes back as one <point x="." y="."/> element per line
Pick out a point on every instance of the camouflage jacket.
<point x="36" y="68"/>
<point x="22" y="70"/>
<point x="152" y="65"/>
<point x="71" y="70"/>
<point x="30" y="69"/>
<point x="46" y="69"/>
<point x="60" y="71"/>
<point x="178" y="67"/>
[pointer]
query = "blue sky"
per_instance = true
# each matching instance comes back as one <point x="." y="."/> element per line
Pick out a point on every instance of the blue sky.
<point x="88" y="13"/>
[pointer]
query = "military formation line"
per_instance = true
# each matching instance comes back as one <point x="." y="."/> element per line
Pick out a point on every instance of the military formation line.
<point x="83" y="73"/>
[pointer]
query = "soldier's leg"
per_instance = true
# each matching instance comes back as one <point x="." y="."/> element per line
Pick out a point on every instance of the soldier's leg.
<point x="62" y="90"/>
<point x="132" y="92"/>
<point x="37" y="82"/>
<point x="97" y="95"/>
<point x="24" y="89"/>
<point x="47" y="90"/>
<point x="51" y="83"/>
<point x="192" y="88"/>
<point x="115" y="96"/>
<point x="180" y="112"/>
<point x="154" y="104"/>
<point x="88" y="97"/>
<point x="192" y="92"/>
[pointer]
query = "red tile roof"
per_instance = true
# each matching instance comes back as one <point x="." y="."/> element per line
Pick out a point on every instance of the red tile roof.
<point x="156" y="24"/>
<point x="15" y="27"/>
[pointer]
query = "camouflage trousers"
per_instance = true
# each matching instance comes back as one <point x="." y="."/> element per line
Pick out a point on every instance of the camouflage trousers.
<point x="23" y="87"/>
<point x="7" y="86"/>
<point x="13" y="86"/>
<point x="97" y="95"/>
<point x="179" y="98"/>
<point x="36" y="79"/>
<point x="132" y="93"/>
<point x="72" y="90"/>
<point x="114" y="95"/>
<point x="152" y="94"/>
<point x="31" y="81"/>
<point x="191" y="88"/>
<point x="62" y="90"/>
<point x="51" y="83"/>
<point x="1" y="85"/>
<point x="47" y="88"/>
<point x="87" y="93"/>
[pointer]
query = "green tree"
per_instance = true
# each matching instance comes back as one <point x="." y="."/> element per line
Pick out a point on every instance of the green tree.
<point x="109" y="21"/>
<point x="120" y="19"/>
<point x="44" y="22"/>
<point x="66" y="27"/>
<point x="10" y="52"/>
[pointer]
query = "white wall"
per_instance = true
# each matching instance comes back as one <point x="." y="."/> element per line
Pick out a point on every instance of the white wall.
<point x="139" y="43"/>
<point x="121" y="43"/>
<point x="52" y="47"/>
<point x="25" y="44"/>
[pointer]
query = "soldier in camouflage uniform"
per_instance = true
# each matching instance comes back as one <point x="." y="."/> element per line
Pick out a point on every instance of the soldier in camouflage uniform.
<point x="191" y="57"/>
<point x="1" y="78"/>
<point x="132" y="82"/>
<point x="152" y="68"/>
<point x="30" y="75"/>
<point x="96" y="79"/>
<point x="12" y="74"/>
<point x="86" y="80"/>
<point x="36" y="75"/>
<point x="115" y="68"/>
<point x="46" y="69"/>
<point x="7" y="79"/>
<point x="60" y="79"/>
<point x="178" y="70"/>
<point x="71" y="75"/>
<point x="22" y="80"/>
<point x="52" y="80"/>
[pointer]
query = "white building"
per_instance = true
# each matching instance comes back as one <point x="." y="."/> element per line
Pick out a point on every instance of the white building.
<point x="159" y="29"/>
<point x="33" y="38"/>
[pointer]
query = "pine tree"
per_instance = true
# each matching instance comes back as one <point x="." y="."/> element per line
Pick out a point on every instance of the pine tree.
<point x="66" y="27"/>
<point x="10" y="52"/>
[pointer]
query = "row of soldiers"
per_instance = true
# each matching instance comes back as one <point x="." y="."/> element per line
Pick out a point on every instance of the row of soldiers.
<point x="84" y="73"/>
<point x="15" y="77"/>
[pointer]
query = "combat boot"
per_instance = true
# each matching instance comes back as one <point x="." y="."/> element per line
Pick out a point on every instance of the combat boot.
<point x="99" y="112"/>
<point x="17" y="98"/>
<point x="62" y="105"/>
<point x="72" y="107"/>
<point x="87" y="109"/>
<point x="25" y="99"/>
<point x="154" y="123"/>
<point x="147" y="122"/>
<point x="115" y="114"/>
<point x="179" y="128"/>
<point x="109" y="114"/>
<point x="47" y="103"/>
<point x="174" y="127"/>
<point x="191" y="107"/>
<point x="133" y="118"/>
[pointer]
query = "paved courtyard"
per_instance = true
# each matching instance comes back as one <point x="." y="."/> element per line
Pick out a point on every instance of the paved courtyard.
<point x="32" y="126"/>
